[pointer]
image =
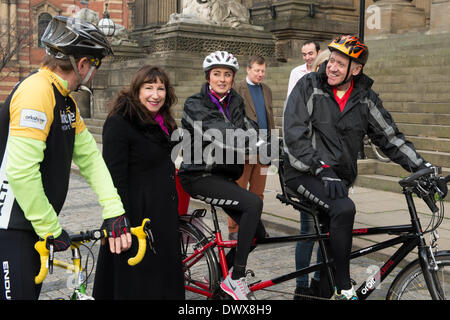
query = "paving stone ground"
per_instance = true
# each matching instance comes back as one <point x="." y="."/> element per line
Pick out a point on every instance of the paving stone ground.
<point x="82" y="212"/>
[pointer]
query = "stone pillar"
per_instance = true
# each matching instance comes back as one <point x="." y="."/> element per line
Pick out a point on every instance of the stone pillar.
<point x="396" y="16"/>
<point x="13" y="25"/>
<point x="439" y="16"/>
<point x="4" y="21"/>
<point x="131" y="14"/>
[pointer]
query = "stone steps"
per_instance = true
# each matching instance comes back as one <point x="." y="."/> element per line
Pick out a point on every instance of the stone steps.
<point x="384" y="176"/>
<point x="418" y="107"/>
<point x="422" y="118"/>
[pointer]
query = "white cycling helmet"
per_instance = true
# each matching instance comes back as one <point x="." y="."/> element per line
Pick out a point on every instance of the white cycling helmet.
<point x="220" y="59"/>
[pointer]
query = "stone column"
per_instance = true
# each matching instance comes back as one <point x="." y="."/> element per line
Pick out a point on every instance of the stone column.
<point x="4" y="21"/>
<point x="394" y="16"/>
<point x="131" y="14"/>
<point x="13" y="24"/>
<point x="166" y="8"/>
<point x="439" y="15"/>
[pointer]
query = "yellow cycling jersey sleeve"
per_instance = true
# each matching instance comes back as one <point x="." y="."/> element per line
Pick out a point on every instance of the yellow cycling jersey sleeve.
<point x="31" y="108"/>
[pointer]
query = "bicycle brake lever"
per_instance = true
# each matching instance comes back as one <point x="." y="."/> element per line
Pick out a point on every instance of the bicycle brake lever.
<point x="150" y="239"/>
<point x="421" y="192"/>
<point x="51" y="256"/>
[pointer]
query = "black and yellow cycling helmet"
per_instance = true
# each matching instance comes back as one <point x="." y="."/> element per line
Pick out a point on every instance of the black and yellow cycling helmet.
<point x="352" y="47"/>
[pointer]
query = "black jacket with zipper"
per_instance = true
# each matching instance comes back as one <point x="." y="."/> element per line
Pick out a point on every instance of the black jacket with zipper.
<point x="316" y="132"/>
<point x="212" y="142"/>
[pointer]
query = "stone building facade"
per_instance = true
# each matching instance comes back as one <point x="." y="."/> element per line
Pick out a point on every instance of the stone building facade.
<point x="25" y="20"/>
<point x="283" y="25"/>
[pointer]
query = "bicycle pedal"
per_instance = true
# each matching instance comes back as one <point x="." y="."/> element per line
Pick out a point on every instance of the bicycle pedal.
<point x="252" y="274"/>
<point x="199" y="213"/>
<point x="219" y="294"/>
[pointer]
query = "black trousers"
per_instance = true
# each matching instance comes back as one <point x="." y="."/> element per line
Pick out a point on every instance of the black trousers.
<point x="241" y="205"/>
<point x="19" y="264"/>
<point x="340" y="214"/>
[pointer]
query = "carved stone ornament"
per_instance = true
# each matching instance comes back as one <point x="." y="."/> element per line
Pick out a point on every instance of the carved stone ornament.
<point x="227" y="13"/>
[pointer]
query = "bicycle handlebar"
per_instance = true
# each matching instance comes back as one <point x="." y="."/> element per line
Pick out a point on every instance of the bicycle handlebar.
<point x="411" y="181"/>
<point x="141" y="234"/>
<point x="46" y="255"/>
<point x="425" y="184"/>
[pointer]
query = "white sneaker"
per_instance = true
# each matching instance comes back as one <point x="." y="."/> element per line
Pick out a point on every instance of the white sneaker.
<point x="237" y="289"/>
<point x="349" y="294"/>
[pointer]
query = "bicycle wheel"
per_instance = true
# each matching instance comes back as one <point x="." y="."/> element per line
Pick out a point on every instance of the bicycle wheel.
<point x="201" y="273"/>
<point x="410" y="282"/>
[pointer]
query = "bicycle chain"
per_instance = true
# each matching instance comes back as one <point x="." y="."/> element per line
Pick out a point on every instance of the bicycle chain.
<point x="296" y="294"/>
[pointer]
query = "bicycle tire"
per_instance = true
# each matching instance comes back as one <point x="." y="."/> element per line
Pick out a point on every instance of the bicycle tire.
<point x="203" y="271"/>
<point x="410" y="282"/>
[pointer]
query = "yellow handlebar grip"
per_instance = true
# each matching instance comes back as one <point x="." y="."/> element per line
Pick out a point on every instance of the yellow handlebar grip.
<point x="140" y="234"/>
<point x="44" y="254"/>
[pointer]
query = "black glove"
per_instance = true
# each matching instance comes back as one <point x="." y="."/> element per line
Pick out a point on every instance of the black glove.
<point x="61" y="243"/>
<point x="116" y="226"/>
<point x="333" y="185"/>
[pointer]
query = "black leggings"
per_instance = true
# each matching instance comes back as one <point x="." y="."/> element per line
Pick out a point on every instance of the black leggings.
<point x="341" y="214"/>
<point x="241" y="205"/>
<point x="20" y="263"/>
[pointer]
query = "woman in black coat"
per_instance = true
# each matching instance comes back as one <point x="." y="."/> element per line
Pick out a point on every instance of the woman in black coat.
<point x="137" y="151"/>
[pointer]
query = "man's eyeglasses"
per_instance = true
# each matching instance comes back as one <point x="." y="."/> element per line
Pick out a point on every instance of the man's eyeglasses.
<point x="96" y="62"/>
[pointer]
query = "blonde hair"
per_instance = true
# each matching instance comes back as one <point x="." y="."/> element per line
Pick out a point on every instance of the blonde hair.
<point x="321" y="57"/>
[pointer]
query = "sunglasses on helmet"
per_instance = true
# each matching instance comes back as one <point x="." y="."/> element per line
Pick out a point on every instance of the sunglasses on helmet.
<point x="96" y="62"/>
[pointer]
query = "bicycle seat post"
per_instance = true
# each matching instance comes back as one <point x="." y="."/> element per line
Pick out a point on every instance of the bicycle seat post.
<point x="215" y="219"/>
<point x="325" y="258"/>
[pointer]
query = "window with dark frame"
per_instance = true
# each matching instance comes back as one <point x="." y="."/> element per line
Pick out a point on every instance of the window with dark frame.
<point x="43" y="21"/>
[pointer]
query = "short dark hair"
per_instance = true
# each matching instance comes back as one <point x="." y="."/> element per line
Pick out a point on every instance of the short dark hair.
<point x="316" y="44"/>
<point x="51" y="62"/>
<point x="257" y="59"/>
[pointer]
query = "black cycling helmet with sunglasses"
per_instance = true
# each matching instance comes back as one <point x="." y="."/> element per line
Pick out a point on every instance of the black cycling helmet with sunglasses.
<point x="69" y="38"/>
<point x="65" y="36"/>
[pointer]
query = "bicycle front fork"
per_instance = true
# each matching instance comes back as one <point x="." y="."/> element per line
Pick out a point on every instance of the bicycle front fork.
<point x="78" y="283"/>
<point x="430" y="271"/>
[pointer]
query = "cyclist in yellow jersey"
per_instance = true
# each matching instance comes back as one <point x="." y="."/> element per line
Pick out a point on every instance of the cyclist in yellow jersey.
<point x="41" y="132"/>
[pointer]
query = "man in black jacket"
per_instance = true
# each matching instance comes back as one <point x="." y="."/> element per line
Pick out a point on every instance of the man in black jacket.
<point x="326" y="117"/>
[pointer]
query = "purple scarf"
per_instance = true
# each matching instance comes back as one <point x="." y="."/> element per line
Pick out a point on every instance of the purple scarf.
<point x="160" y="121"/>
<point x="219" y="101"/>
